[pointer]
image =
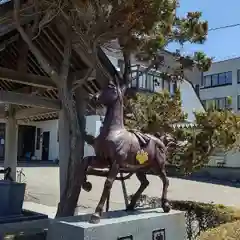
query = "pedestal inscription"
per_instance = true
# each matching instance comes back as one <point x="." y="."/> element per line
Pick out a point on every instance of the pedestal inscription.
<point x="159" y="234"/>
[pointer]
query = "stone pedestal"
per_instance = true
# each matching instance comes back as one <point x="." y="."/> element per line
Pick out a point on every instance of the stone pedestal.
<point x="145" y="224"/>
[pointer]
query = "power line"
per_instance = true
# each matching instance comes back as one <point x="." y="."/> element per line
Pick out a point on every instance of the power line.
<point x="224" y="27"/>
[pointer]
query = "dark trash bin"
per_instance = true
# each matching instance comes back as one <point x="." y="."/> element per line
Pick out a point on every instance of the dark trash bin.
<point x="11" y="198"/>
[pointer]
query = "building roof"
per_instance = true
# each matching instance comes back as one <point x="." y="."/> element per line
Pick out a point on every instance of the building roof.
<point x="50" y="42"/>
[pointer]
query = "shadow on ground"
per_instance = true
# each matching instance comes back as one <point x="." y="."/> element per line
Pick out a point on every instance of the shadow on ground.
<point x="35" y="163"/>
<point x="211" y="180"/>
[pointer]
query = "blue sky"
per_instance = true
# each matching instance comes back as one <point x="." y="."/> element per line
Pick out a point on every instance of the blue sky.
<point x="221" y="44"/>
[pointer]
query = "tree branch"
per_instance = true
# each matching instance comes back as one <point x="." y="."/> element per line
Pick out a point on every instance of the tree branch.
<point x="41" y="59"/>
<point x="80" y="82"/>
<point x="67" y="55"/>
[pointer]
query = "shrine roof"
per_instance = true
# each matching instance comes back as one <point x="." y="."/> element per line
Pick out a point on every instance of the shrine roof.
<point x="50" y="41"/>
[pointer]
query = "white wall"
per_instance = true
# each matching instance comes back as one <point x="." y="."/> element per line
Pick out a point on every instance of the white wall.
<point x="93" y="124"/>
<point x="233" y="159"/>
<point x="190" y="100"/>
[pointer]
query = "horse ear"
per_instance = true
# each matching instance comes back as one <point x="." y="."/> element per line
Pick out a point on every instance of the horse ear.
<point x="111" y="84"/>
<point x="123" y="88"/>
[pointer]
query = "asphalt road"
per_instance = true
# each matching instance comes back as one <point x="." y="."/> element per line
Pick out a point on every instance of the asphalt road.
<point x="43" y="187"/>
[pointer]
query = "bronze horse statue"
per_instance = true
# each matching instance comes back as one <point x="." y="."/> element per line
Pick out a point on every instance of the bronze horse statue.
<point x="117" y="148"/>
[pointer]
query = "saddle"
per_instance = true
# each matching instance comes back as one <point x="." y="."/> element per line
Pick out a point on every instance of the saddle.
<point x="142" y="138"/>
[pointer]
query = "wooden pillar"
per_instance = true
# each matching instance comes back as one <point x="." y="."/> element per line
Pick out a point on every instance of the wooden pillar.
<point x="11" y="143"/>
<point x="64" y="149"/>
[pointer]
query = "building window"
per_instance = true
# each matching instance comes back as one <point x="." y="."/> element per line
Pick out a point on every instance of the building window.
<point x="238" y="102"/>
<point x="38" y="138"/>
<point x="217" y="103"/>
<point x="228" y="77"/>
<point x="228" y="103"/>
<point x="221" y="78"/>
<point x="204" y="103"/>
<point x="208" y="81"/>
<point x="146" y="82"/>
<point x="220" y="103"/>
<point x="238" y="75"/>
<point x="150" y="82"/>
<point x="218" y="79"/>
<point x="142" y="81"/>
<point x="120" y="64"/>
<point x="175" y="87"/>
<point x="215" y="78"/>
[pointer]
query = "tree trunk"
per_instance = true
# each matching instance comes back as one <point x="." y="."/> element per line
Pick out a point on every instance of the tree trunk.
<point x="76" y="121"/>
<point x="69" y="198"/>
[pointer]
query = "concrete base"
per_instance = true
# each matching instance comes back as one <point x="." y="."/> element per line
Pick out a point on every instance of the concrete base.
<point x="143" y="224"/>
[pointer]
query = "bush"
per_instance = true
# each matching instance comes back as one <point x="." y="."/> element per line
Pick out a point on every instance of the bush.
<point x="227" y="231"/>
<point x="199" y="216"/>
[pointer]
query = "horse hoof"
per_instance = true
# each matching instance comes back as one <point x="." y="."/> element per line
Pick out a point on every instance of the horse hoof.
<point x="87" y="186"/>
<point x="129" y="208"/>
<point x="95" y="218"/>
<point x="166" y="207"/>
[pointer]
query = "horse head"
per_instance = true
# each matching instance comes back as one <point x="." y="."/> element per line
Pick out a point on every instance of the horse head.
<point x="110" y="94"/>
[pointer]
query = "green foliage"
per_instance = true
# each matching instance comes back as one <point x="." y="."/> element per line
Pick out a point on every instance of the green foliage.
<point x="139" y="25"/>
<point x="202" y="61"/>
<point x="159" y="113"/>
<point x="199" y="216"/>
<point x="147" y="112"/>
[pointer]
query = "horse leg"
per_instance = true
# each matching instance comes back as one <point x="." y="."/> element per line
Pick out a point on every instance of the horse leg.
<point x="160" y="160"/>
<point x="87" y="186"/>
<point x="95" y="218"/>
<point x="144" y="183"/>
<point x="165" y="203"/>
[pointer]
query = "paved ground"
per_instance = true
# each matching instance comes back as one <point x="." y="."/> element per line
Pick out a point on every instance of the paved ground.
<point x="42" y="188"/>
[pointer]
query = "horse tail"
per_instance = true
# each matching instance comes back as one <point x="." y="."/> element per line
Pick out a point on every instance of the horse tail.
<point x="168" y="141"/>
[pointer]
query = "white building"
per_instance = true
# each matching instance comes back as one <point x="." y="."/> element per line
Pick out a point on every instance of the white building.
<point x="220" y="82"/>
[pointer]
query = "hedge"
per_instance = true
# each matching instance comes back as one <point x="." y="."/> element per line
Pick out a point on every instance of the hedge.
<point x="199" y="216"/>
<point x="227" y="231"/>
<point x="29" y="236"/>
